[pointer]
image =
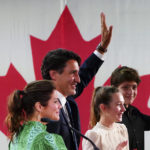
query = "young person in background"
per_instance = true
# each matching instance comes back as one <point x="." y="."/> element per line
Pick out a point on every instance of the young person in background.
<point x="127" y="79"/>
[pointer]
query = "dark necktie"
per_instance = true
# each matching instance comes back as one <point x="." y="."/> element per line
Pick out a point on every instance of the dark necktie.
<point x="69" y="120"/>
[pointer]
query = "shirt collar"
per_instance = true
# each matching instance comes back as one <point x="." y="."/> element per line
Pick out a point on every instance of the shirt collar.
<point x="61" y="98"/>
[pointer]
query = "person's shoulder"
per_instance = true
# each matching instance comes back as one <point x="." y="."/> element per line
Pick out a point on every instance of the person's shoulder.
<point x="57" y="139"/>
<point x="92" y="135"/>
<point x="135" y="111"/>
<point x="90" y="131"/>
<point x="120" y="126"/>
<point x="43" y="136"/>
<point x="49" y="140"/>
<point x="121" y="129"/>
<point x="50" y="137"/>
<point x="94" y="132"/>
<point x="131" y="107"/>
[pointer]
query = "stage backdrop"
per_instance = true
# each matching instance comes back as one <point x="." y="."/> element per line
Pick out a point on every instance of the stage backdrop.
<point x="31" y="28"/>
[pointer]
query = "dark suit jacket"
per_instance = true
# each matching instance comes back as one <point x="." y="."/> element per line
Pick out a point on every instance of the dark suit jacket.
<point x="136" y="123"/>
<point x="87" y="72"/>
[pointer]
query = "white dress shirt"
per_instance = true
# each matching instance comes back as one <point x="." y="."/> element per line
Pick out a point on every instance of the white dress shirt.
<point x="63" y="102"/>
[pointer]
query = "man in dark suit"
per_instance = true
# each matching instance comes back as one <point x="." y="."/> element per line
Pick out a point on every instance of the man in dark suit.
<point x="62" y="66"/>
<point x="127" y="79"/>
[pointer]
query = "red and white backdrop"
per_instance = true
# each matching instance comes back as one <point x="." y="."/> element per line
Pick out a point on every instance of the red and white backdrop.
<point x="31" y="28"/>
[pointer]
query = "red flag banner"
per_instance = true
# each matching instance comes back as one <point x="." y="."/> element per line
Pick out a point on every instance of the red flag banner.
<point x="29" y="29"/>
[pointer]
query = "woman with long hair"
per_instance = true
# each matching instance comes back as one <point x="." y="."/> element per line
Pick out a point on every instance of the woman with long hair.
<point x="26" y="108"/>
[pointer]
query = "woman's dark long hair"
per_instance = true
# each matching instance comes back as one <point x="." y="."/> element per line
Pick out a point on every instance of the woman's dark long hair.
<point x="21" y="103"/>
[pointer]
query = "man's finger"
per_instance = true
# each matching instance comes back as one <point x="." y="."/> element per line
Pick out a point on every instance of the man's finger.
<point x="103" y="19"/>
<point x="110" y="30"/>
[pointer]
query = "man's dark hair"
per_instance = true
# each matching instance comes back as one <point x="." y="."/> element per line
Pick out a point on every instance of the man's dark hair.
<point x="56" y="60"/>
<point x="123" y="74"/>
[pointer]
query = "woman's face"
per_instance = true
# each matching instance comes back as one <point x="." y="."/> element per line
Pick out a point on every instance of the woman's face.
<point x="116" y="108"/>
<point x="52" y="109"/>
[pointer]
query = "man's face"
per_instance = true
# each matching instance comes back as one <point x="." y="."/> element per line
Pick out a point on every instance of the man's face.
<point x="66" y="81"/>
<point x="129" y="91"/>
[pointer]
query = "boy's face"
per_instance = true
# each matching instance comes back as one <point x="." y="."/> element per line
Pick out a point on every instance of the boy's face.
<point x="129" y="91"/>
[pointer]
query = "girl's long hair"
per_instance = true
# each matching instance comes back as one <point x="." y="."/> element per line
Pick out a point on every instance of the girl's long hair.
<point x="101" y="95"/>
